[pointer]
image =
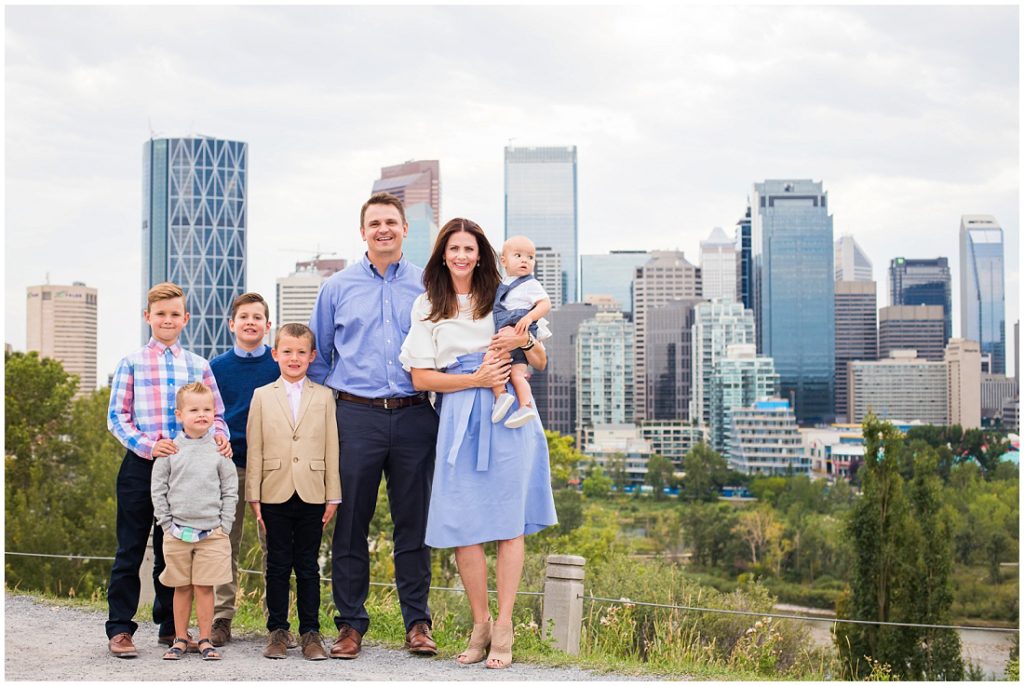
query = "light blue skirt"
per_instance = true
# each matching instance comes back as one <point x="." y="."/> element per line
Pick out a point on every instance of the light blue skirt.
<point x="490" y="483"/>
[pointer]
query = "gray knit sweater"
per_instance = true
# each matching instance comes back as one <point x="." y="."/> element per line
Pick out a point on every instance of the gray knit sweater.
<point x="195" y="486"/>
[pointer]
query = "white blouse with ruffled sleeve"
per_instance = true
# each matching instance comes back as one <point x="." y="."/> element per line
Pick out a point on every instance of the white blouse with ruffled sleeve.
<point x="435" y="345"/>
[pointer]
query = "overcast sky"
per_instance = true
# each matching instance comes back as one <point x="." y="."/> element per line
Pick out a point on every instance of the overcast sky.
<point x="908" y="115"/>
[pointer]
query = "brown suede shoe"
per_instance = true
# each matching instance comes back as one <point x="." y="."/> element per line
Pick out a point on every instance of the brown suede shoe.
<point x="313" y="646"/>
<point x="348" y="644"/>
<point x="277" y="645"/>
<point x="292" y="643"/>
<point x="122" y="646"/>
<point x="418" y="641"/>
<point x="221" y="632"/>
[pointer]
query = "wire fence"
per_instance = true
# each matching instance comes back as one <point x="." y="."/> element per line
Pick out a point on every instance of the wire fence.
<point x="625" y="601"/>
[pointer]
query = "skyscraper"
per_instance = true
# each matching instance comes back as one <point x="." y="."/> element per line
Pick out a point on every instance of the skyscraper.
<point x="909" y="327"/>
<point x="194" y="215"/>
<point x="666" y="276"/>
<point x="851" y="262"/>
<point x="423" y="231"/>
<point x="963" y="383"/>
<point x="540" y="203"/>
<point x="744" y="262"/>
<point x="740" y="378"/>
<point x="296" y="293"/>
<point x="611" y="274"/>
<point x="61" y="325"/>
<point x="793" y="284"/>
<point x="548" y="270"/>
<point x="856" y="332"/>
<point x="902" y="387"/>
<point x="667" y="346"/>
<point x="554" y="389"/>
<point x="716" y="326"/>
<point x="604" y="372"/>
<point x="718" y="266"/>
<point x="982" y="300"/>
<point x="922" y="282"/>
<point x="412" y="182"/>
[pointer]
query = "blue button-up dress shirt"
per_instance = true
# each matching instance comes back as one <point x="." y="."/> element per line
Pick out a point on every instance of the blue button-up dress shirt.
<point x="360" y="320"/>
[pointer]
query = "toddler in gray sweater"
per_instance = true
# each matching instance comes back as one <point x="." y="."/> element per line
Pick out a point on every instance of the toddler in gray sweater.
<point x="194" y="492"/>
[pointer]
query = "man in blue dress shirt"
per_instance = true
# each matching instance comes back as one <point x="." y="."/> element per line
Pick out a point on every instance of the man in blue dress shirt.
<point x="385" y="426"/>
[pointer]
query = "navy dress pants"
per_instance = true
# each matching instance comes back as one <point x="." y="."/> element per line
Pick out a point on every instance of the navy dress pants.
<point x="398" y="444"/>
<point x="134" y="522"/>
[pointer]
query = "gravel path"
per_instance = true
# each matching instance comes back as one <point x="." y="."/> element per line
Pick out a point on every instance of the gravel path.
<point x="53" y="643"/>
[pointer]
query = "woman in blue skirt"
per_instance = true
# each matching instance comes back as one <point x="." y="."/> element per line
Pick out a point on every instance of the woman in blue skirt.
<point x="491" y="483"/>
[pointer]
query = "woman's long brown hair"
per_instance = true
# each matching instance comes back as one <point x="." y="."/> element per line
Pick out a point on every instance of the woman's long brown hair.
<point x="444" y="304"/>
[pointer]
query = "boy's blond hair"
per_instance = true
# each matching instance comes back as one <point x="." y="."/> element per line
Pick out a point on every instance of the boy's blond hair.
<point x="165" y="291"/>
<point x="296" y="331"/>
<point x="196" y="387"/>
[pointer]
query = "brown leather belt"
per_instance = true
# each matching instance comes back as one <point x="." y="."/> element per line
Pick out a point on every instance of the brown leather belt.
<point x="384" y="403"/>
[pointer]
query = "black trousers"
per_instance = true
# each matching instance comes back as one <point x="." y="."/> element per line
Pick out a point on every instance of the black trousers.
<point x="400" y="445"/>
<point x="134" y="522"/>
<point x="294" y="531"/>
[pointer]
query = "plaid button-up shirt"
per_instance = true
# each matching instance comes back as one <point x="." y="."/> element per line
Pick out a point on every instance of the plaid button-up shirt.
<point x="142" y="395"/>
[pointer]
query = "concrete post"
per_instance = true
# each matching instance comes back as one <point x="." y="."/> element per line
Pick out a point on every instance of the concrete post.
<point x="563" y="601"/>
<point x="146" y="593"/>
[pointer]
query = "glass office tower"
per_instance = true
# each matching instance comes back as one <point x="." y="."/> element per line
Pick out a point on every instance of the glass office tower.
<point x="611" y="274"/>
<point x="744" y="263"/>
<point x="540" y="203"/>
<point x="793" y="289"/>
<point x="982" y="300"/>
<point x="923" y="282"/>
<point x="194" y="207"/>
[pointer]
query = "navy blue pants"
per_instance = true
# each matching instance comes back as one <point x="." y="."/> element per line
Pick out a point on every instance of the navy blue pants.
<point x="400" y="445"/>
<point x="294" y="530"/>
<point x="134" y="522"/>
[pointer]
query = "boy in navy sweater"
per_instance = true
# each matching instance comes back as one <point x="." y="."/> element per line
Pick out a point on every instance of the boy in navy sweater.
<point x="240" y="371"/>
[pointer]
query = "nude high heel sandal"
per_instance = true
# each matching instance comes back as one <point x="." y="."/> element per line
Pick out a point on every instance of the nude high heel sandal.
<point x="479" y="642"/>
<point x="500" y="656"/>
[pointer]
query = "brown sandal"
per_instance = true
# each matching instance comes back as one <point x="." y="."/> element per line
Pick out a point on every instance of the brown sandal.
<point x="479" y="642"/>
<point x="501" y="646"/>
<point x="174" y="652"/>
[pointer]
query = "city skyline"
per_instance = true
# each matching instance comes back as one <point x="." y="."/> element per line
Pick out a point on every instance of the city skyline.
<point x="660" y="164"/>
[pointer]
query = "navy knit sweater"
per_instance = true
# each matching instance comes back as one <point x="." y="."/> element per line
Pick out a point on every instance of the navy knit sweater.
<point x="237" y="378"/>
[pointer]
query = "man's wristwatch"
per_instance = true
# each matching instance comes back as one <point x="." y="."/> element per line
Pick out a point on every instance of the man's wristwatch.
<point x="530" y="341"/>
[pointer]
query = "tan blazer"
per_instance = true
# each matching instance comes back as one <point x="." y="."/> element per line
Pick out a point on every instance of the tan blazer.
<point x="286" y="456"/>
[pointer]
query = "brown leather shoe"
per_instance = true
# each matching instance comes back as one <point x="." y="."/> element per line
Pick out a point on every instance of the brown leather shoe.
<point x="122" y="645"/>
<point x="277" y="645"/>
<point x="221" y="632"/>
<point x="418" y="641"/>
<point x="348" y="644"/>
<point x="292" y="643"/>
<point x="313" y="646"/>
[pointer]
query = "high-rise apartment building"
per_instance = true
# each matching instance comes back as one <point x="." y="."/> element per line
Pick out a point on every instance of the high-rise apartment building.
<point x="61" y="325"/>
<point x="547" y="268"/>
<point x="856" y="332"/>
<point x="744" y="262"/>
<point x="764" y="439"/>
<point x="540" y="203"/>
<point x="554" y="388"/>
<point x="194" y="217"/>
<point x="922" y="282"/>
<point x="667" y="347"/>
<point x="611" y="274"/>
<point x="413" y="182"/>
<point x="716" y="326"/>
<point x="672" y="438"/>
<point x="604" y="372"/>
<point x="912" y="327"/>
<point x="718" y="266"/>
<point x="665" y="276"/>
<point x="296" y="293"/>
<point x="901" y="387"/>
<point x="793" y="280"/>
<point x="423" y="230"/>
<point x="982" y="297"/>
<point x="963" y="383"/>
<point x="851" y="262"/>
<point x="996" y="390"/>
<point x="741" y="377"/>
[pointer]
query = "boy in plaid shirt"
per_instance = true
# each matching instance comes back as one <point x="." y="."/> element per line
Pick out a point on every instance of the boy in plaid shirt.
<point x="141" y="417"/>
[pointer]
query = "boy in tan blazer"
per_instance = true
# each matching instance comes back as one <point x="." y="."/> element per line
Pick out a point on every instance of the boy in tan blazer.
<point x="293" y="485"/>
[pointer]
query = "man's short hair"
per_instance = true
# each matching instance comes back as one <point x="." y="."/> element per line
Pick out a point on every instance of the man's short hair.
<point x="196" y="387"/>
<point x="297" y="331"/>
<point x="382" y="199"/>
<point x="248" y="299"/>
<point x="165" y="291"/>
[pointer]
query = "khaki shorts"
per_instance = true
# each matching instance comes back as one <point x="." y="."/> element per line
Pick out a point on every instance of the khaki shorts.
<point x="204" y="563"/>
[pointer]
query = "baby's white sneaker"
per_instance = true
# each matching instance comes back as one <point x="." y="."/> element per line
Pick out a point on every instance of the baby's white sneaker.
<point x="520" y="417"/>
<point x="502" y="404"/>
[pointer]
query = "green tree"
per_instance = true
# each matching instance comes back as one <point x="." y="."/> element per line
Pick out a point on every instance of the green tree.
<point x="707" y="530"/>
<point x="597" y="484"/>
<point x="659" y="475"/>
<point x="705" y="472"/>
<point x="990" y="522"/>
<point x="617" y="471"/>
<point x="564" y="459"/>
